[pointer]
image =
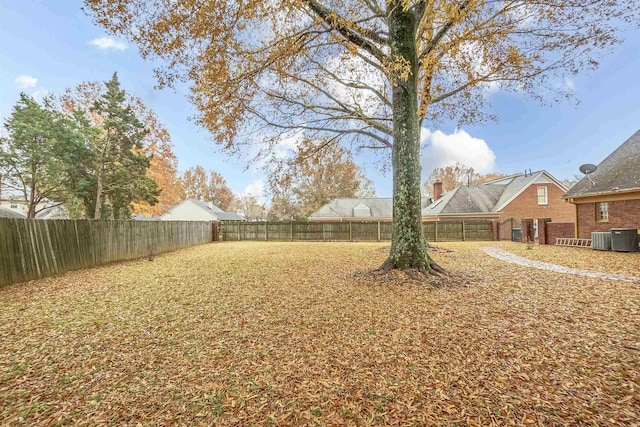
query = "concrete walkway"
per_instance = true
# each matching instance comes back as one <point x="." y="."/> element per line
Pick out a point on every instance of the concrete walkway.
<point x="503" y="255"/>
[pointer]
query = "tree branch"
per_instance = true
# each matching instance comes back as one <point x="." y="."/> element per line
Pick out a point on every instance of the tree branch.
<point x="440" y="34"/>
<point x="357" y="35"/>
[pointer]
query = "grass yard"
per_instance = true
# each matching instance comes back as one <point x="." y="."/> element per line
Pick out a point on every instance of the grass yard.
<point x="586" y="258"/>
<point x="254" y="333"/>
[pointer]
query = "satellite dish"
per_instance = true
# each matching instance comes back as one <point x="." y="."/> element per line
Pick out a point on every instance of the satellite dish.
<point x="588" y="168"/>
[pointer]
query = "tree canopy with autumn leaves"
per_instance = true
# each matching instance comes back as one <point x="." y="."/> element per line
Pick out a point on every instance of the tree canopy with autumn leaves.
<point x="155" y="145"/>
<point x="317" y="173"/>
<point x="367" y="73"/>
<point x="208" y="186"/>
<point x="455" y="175"/>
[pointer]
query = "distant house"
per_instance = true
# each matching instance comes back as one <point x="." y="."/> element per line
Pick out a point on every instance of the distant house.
<point x="197" y="210"/>
<point x="10" y="213"/>
<point x="357" y="209"/>
<point x="535" y="195"/>
<point x="55" y="212"/>
<point x="610" y="196"/>
<point x="46" y="210"/>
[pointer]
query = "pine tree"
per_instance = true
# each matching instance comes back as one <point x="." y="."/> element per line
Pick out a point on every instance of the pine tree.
<point x="120" y="164"/>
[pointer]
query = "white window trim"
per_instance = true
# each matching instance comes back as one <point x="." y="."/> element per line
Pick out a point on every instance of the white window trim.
<point x="546" y="194"/>
<point x="600" y="217"/>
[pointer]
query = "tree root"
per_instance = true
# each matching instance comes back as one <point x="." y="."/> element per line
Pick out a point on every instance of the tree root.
<point x="417" y="274"/>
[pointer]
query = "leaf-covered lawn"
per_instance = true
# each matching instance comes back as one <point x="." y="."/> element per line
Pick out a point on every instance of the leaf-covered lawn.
<point x="586" y="258"/>
<point x="294" y="334"/>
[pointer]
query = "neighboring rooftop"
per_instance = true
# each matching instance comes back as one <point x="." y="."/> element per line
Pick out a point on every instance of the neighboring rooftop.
<point x="362" y="207"/>
<point x="464" y="199"/>
<point x="488" y="197"/>
<point x="620" y="171"/>
<point x="214" y="212"/>
<point x="9" y="213"/>
<point x="344" y="208"/>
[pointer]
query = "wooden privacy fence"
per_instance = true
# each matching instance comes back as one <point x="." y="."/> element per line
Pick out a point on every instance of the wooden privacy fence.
<point x="351" y="231"/>
<point x="33" y="249"/>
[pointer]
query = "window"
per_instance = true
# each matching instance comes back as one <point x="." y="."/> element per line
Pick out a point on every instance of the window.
<point x="542" y="195"/>
<point x="603" y="211"/>
<point x="14" y="206"/>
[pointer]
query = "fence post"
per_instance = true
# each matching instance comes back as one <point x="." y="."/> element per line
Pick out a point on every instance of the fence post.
<point x="292" y="231"/>
<point x="435" y="239"/>
<point x="324" y="231"/>
<point x="463" y="230"/>
<point x="378" y="231"/>
<point x="266" y="231"/>
<point x="238" y="230"/>
<point x="349" y="230"/>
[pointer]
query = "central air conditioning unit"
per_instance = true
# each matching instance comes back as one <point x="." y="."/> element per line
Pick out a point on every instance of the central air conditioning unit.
<point x="624" y="239"/>
<point x="601" y="240"/>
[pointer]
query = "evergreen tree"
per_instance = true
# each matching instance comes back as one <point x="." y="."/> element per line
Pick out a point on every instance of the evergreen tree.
<point x="119" y="163"/>
<point x="39" y="157"/>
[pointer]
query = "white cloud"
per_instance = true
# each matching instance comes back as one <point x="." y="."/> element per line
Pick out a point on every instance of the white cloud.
<point x="39" y="94"/>
<point x="108" y="43"/>
<point x="354" y="70"/>
<point x="441" y="150"/>
<point x="255" y="188"/>
<point x="26" y="82"/>
<point x="569" y="84"/>
<point x="288" y="143"/>
<point x="282" y="146"/>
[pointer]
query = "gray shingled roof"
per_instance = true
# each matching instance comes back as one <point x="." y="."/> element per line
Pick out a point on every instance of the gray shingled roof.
<point x="488" y="197"/>
<point x="207" y="206"/>
<point x="380" y="207"/>
<point x="215" y="211"/>
<point x="343" y="208"/>
<point x="618" y="172"/>
<point x="9" y="213"/>
<point x="229" y="216"/>
<point x="464" y="199"/>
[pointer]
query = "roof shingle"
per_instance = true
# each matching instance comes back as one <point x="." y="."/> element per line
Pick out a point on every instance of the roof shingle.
<point x="620" y="171"/>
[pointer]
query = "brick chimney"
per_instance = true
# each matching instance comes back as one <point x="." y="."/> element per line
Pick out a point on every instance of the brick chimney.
<point x="437" y="190"/>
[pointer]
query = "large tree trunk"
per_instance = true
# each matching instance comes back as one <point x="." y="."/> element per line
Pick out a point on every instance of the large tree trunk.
<point x="408" y="246"/>
<point x="31" y="213"/>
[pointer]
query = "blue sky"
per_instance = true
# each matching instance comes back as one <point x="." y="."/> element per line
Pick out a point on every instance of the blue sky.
<point x="51" y="41"/>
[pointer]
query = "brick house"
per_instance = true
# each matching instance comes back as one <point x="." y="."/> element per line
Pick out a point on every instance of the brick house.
<point x="610" y="196"/>
<point x="535" y="195"/>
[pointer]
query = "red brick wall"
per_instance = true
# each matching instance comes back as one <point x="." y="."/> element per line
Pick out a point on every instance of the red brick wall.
<point x="553" y="230"/>
<point x="526" y="205"/>
<point x="622" y="214"/>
